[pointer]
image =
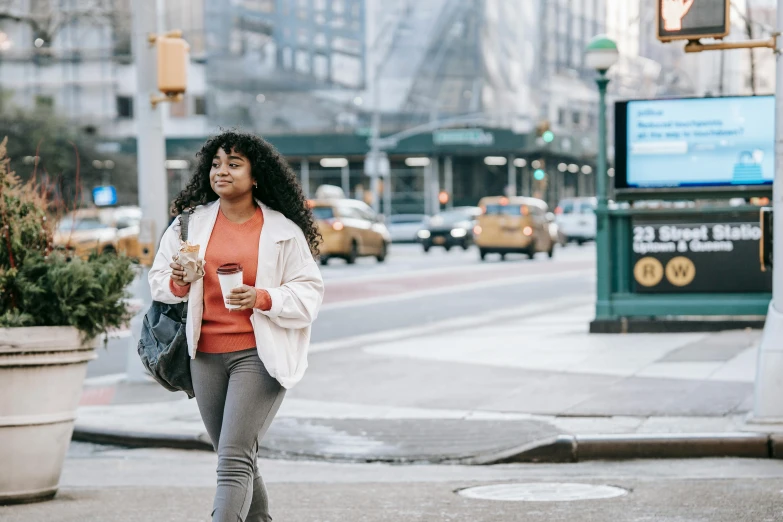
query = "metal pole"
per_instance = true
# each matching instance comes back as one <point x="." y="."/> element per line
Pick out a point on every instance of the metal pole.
<point x="435" y="184"/>
<point x="305" y="175"/>
<point x="375" y="152"/>
<point x="387" y="196"/>
<point x="448" y="181"/>
<point x="345" y="175"/>
<point x="147" y="18"/>
<point x="512" y="177"/>
<point x="767" y="407"/>
<point x="603" y="308"/>
<point x="427" y="188"/>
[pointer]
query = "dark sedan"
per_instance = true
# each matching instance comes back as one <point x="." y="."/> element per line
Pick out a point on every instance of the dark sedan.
<point x="452" y="228"/>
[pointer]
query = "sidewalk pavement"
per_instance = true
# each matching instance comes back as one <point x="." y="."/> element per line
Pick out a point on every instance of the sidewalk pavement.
<point x="523" y="385"/>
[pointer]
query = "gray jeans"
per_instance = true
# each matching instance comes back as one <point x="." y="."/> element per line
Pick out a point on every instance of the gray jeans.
<point x="237" y="399"/>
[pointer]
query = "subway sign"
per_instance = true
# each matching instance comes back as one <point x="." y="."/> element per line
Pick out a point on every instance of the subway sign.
<point x="700" y="256"/>
<point x="693" y="19"/>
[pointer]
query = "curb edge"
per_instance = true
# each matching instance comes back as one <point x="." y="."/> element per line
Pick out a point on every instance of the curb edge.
<point x="560" y="449"/>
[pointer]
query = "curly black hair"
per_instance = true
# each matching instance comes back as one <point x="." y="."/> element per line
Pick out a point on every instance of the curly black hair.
<point x="277" y="187"/>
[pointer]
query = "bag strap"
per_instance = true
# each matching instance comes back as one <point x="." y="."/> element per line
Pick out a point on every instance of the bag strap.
<point x="184" y="219"/>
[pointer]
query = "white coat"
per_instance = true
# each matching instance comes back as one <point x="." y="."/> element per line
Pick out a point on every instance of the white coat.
<point x="286" y="270"/>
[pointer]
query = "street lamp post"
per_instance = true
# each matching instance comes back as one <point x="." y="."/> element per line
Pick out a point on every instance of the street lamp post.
<point x="600" y="55"/>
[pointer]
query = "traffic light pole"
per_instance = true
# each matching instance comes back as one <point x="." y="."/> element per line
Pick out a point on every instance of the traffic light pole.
<point x="768" y="406"/>
<point x="147" y="19"/>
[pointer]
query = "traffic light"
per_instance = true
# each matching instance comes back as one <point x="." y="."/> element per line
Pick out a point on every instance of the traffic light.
<point x="172" y="57"/>
<point x="691" y="19"/>
<point x="539" y="174"/>
<point x="544" y="132"/>
<point x="172" y="64"/>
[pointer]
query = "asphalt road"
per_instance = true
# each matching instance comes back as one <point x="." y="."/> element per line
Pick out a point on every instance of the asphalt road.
<point x="413" y="289"/>
<point x="108" y="484"/>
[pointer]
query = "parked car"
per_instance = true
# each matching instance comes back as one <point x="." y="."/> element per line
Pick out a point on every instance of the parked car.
<point x="350" y="229"/>
<point x="102" y="230"/>
<point x="514" y="225"/>
<point x="576" y="219"/>
<point x="404" y="228"/>
<point x="452" y="228"/>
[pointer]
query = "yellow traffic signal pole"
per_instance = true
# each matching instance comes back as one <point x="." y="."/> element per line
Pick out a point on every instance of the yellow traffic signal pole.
<point x="695" y="46"/>
<point x="159" y="68"/>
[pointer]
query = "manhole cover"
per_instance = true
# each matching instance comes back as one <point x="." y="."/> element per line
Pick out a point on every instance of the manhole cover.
<point x="543" y="492"/>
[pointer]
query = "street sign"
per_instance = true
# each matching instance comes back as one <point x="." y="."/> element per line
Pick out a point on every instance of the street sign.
<point x="382" y="143"/>
<point x="692" y="19"/>
<point x="702" y="255"/>
<point x="104" y="196"/>
<point x="475" y="137"/>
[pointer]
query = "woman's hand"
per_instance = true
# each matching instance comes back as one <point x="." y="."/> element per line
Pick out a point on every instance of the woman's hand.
<point x="243" y="296"/>
<point x="178" y="274"/>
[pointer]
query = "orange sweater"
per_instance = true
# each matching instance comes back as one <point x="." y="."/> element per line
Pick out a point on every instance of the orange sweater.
<point x="224" y="330"/>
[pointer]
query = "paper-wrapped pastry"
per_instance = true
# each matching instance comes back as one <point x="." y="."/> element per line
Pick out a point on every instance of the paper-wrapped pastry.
<point x="188" y="258"/>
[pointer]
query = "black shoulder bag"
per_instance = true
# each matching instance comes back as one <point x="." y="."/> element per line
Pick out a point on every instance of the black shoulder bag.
<point x="163" y="346"/>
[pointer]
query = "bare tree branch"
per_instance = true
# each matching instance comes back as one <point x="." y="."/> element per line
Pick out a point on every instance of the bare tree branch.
<point x="46" y="18"/>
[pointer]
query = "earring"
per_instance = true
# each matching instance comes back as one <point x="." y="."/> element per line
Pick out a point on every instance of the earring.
<point x="255" y="185"/>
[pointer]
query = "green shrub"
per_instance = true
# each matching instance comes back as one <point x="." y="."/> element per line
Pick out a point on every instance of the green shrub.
<point x="40" y="287"/>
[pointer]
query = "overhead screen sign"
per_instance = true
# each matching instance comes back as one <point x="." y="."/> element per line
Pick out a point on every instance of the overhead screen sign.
<point x="693" y="19"/>
<point x="695" y="142"/>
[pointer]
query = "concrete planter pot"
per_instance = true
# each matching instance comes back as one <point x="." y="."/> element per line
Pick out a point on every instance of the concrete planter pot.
<point x="42" y="371"/>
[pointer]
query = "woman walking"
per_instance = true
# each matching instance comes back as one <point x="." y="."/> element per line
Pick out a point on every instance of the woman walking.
<point x="250" y="224"/>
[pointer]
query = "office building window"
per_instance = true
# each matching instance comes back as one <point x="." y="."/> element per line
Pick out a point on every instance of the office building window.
<point x="200" y="105"/>
<point x="262" y="6"/>
<point x="179" y="109"/>
<point x="124" y="107"/>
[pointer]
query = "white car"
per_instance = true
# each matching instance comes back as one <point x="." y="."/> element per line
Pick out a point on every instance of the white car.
<point x="576" y="219"/>
<point x="405" y="227"/>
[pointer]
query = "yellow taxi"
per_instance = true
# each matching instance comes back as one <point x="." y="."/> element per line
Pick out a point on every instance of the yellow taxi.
<point x="350" y="229"/>
<point x="514" y="225"/>
<point x="101" y="230"/>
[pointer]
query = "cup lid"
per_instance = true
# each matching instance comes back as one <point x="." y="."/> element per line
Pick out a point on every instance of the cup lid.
<point x="229" y="268"/>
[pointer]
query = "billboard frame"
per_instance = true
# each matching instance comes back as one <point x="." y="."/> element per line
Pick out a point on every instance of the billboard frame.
<point x="692" y="37"/>
<point x="625" y="193"/>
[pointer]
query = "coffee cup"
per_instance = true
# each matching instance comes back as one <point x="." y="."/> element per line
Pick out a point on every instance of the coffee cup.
<point x="230" y="277"/>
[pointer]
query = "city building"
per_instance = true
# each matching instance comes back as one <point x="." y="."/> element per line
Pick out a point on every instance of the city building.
<point x="483" y="97"/>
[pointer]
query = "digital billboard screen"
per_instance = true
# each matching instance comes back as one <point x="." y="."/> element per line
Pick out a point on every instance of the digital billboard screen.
<point x="695" y="143"/>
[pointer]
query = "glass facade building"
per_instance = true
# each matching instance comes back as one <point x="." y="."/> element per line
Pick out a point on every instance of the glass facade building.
<point x="311" y="75"/>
